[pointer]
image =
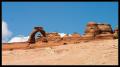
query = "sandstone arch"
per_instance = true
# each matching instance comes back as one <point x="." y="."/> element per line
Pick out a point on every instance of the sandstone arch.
<point x="31" y="39"/>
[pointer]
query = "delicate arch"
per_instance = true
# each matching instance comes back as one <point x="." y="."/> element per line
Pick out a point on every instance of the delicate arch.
<point x="33" y="33"/>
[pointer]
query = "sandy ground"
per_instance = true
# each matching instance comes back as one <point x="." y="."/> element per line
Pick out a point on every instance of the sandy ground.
<point x="104" y="52"/>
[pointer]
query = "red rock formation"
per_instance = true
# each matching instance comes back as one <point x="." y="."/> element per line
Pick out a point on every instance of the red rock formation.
<point x="105" y="31"/>
<point x="105" y="28"/>
<point x="93" y="31"/>
<point x="32" y="35"/>
<point x="116" y="32"/>
<point x="66" y="37"/>
<point x="54" y="36"/>
<point x="98" y="31"/>
<point x="75" y="37"/>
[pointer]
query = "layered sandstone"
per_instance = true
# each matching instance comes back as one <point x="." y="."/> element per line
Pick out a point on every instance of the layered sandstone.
<point x="115" y="34"/>
<point x="93" y="31"/>
<point x="98" y="31"/>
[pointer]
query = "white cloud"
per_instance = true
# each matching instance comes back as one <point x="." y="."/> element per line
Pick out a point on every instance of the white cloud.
<point x="69" y="35"/>
<point x="19" y="38"/>
<point x="5" y="32"/>
<point x="62" y="34"/>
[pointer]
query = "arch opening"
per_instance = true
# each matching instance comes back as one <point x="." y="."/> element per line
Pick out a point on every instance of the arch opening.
<point x="32" y="39"/>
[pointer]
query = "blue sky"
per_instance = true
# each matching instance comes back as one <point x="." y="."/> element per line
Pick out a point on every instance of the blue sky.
<point x="64" y="17"/>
